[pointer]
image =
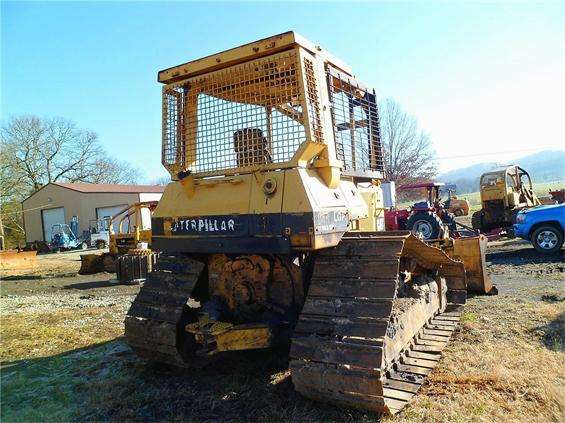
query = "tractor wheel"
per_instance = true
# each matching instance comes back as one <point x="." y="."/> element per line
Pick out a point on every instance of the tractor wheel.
<point x="449" y="220"/>
<point x="83" y="246"/>
<point x="100" y="244"/>
<point x="547" y="239"/>
<point x="426" y="224"/>
<point x="477" y="220"/>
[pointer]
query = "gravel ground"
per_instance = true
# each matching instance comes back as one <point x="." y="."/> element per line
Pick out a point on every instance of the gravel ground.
<point x="518" y="257"/>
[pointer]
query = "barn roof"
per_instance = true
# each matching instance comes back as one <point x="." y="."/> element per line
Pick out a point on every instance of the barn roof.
<point x="111" y="188"/>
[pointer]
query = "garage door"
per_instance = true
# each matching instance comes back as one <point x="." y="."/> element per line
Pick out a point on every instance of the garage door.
<point x="49" y="218"/>
<point x="102" y="212"/>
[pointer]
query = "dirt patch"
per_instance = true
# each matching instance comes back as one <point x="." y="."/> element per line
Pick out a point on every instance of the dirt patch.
<point x="520" y="258"/>
<point x="66" y="263"/>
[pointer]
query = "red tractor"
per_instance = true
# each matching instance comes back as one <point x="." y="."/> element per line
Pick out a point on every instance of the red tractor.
<point x="430" y="218"/>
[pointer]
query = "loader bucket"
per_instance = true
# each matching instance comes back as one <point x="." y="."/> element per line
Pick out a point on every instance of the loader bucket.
<point x="471" y="251"/>
<point x="90" y="264"/>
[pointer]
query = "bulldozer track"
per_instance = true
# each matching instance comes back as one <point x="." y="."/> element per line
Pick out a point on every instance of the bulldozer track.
<point x="153" y="320"/>
<point x="337" y="350"/>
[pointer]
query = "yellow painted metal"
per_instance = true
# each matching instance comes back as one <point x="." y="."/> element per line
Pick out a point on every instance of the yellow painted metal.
<point x="228" y="195"/>
<point x="372" y="195"/>
<point x="472" y="252"/>
<point x="507" y="185"/>
<point x="219" y="336"/>
<point x="136" y="232"/>
<point x="287" y="70"/>
<point x="244" y="53"/>
<point x="17" y="260"/>
<point x="253" y="166"/>
<point x="244" y="337"/>
<point x="121" y="242"/>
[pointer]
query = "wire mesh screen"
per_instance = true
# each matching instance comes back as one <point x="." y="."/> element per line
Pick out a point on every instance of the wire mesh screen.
<point x="356" y="124"/>
<point x="244" y="115"/>
<point x="313" y="100"/>
<point x="173" y="127"/>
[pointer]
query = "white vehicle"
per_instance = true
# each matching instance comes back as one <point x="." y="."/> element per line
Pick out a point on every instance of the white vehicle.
<point x="99" y="233"/>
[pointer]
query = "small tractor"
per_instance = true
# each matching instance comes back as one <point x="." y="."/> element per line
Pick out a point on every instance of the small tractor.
<point x="271" y="232"/>
<point x="504" y="192"/>
<point x="124" y="258"/>
<point x="431" y="219"/>
<point x="99" y="233"/>
<point x="64" y="238"/>
<point x="133" y="227"/>
<point x="455" y="205"/>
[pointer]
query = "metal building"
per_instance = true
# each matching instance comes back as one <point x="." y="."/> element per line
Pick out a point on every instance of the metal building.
<point x="65" y="202"/>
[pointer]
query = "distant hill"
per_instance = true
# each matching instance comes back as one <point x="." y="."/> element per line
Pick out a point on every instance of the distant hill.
<point x="545" y="166"/>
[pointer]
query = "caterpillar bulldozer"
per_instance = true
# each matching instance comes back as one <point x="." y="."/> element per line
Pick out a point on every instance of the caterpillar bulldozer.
<point x="272" y="231"/>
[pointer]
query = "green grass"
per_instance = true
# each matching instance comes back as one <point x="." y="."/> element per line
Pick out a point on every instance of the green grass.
<point x="47" y="388"/>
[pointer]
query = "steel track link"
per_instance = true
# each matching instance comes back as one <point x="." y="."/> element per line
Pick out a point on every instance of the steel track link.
<point x="155" y="317"/>
<point x="337" y="348"/>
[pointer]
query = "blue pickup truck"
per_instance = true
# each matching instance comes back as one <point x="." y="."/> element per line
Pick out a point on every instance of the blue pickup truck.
<point x="543" y="226"/>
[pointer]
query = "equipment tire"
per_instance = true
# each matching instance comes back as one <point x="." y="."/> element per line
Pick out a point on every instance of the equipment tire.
<point x="428" y="224"/>
<point x="100" y="244"/>
<point x="547" y="239"/>
<point x="477" y="220"/>
<point x="83" y="246"/>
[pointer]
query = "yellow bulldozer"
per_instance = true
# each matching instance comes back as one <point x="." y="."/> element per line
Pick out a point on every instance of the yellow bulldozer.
<point x="271" y="232"/>
<point x="504" y="192"/>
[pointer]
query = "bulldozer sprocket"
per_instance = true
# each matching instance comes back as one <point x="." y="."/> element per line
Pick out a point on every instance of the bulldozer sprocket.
<point x="346" y="328"/>
<point x="155" y="318"/>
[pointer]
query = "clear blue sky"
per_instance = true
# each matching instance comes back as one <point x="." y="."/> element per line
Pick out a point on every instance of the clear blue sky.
<point x="478" y="76"/>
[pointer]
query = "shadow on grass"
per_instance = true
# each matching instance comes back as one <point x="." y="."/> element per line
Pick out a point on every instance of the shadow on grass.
<point x="554" y="333"/>
<point x="107" y="382"/>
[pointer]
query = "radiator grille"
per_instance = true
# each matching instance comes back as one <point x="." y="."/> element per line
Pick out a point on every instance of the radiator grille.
<point x="244" y="115"/>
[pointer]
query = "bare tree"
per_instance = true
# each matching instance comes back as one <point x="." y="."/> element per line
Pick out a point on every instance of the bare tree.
<point x="38" y="151"/>
<point x="408" y="151"/>
<point x="35" y="152"/>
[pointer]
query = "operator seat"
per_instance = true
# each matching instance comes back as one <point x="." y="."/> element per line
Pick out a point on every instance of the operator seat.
<point x="251" y="147"/>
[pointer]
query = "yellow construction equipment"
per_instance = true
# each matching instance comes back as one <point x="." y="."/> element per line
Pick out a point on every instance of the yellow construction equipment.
<point x="18" y="260"/>
<point x="504" y="192"/>
<point x="133" y="227"/>
<point x="271" y="231"/>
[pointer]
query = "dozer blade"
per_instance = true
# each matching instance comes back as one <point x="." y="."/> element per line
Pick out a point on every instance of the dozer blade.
<point x="14" y="260"/>
<point x="472" y="251"/>
<point x="375" y="320"/>
<point x="91" y="264"/>
<point x="96" y="263"/>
